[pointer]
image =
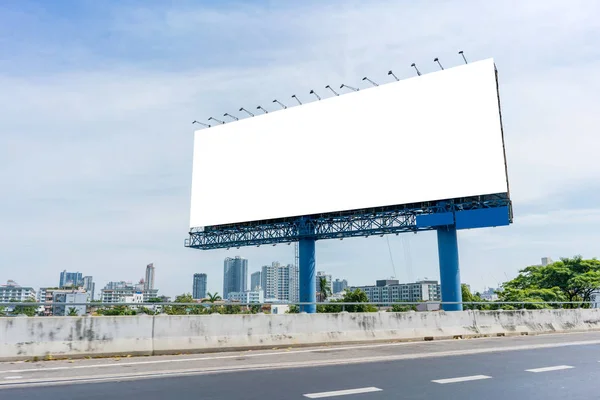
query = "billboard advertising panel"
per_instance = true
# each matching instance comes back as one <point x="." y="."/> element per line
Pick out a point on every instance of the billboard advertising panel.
<point x="432" y="137"/>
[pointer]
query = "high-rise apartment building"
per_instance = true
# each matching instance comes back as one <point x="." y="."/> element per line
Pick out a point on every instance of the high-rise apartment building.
<point x="255" y="282"/>
<point x="235" y="275"/>
<point x="149" y="281"/>
<point x="280" y="282"/>
<point x="89" y="286"/>
<point x="339" y="285"/>
<point x="199" y="289"/>
<point x="68" y="279"/>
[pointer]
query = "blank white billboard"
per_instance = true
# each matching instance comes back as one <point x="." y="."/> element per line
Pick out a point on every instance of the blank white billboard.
<point x="433" y="137"/>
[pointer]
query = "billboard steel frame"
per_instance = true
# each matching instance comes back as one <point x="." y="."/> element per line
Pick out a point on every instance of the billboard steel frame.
<point x="369" y="222"/>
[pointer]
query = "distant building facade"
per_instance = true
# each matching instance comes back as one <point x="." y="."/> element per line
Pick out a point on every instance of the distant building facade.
<point x="235" y="275"/>
<point x="116" y="292"/>
<point x="391" y="291"/>
<point x="149" y="280"/>
<point x="70" y="279"/>
<point x="255" y="282"/>
<point x="13" y="291"/>
<point x="546" y="261"/>
<point x="89" y="286"/>
<point x="251" y="296"/>
<point x="62" y="299"/>
<point x="339" y="285"/>
<point x="199" y="288"/>
<point x="280" y="282"/>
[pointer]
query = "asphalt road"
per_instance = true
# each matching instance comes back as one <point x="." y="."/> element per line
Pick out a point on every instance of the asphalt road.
<point x="538" y="367"/>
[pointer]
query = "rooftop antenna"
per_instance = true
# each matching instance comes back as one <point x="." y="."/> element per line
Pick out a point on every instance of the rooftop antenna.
<point x="201" y="123"/>
<point x="463" y="56"/>
<point x="416" y="69"/>
<point x="330" y="88"/>
<point x="297" y="99"/>
<point x="243" y="109"/>
<point x="392" y="74"/>
<point x="260" y="108"/>
<point x="280" y="103"/>
<point x="349" y="87"/>
<point x="219" y="121"/>
<point x="437" y="60"/>
<point x="315" y="93"/>
<point x="231" y="116"/>
<point x="370" y="81"/>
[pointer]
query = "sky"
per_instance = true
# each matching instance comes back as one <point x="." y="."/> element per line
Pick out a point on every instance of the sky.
<point x="98" y="98"/>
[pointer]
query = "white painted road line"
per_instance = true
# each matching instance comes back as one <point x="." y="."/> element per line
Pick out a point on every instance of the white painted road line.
<point x="462" y="379"/>
<point x="342" y="392"/>
<point x="12" y="377"/>
<point x="546" y="369"/>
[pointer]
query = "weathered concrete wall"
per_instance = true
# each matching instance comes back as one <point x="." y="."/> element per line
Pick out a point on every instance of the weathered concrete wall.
<point x="25" y="338"/>
<point x="28" y="337"/>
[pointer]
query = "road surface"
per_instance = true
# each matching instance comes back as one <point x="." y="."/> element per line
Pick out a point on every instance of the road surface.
<point x="530" y="367"/>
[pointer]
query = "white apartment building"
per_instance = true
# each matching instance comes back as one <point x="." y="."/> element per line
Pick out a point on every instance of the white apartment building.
<point x="251" y="296"/>
<point x="117" y="292"/>
<point x="62" y="299"/>
<point x="391" y="291"/>
<point x="280" y="282"/>
<point x="13" y="291"/>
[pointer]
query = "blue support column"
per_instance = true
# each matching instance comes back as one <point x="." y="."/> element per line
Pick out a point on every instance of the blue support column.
<point x="308" y="287"/>
<point x="449" y="267"/>
<point x="307" y="267"/>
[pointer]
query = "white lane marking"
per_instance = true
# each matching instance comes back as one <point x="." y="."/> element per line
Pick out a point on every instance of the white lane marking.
<point x="342" y="392"/>
<point x="13" y="377"/>
<point x="325" y="349"/>
<point x="546" y="369"/>
<point x="461" y="379"/>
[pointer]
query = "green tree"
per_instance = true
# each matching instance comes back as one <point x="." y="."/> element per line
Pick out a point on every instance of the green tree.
<point x="403" y="308"/>
<point x="2" y="311"/>
<point x="154" y="300"/>
<point x="324" y="288"/>
<point x="570" y="279"/>
<point x="72" y="312"/>
<point x="30" y="311"/>
<point x="212" y="298"/>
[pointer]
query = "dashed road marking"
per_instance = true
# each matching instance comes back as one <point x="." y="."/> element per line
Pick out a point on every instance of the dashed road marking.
<point x="547" y="369"/>
<point x="342" y="392"/>
<point x="461" y="379"/>
<point x="13" y="377"/>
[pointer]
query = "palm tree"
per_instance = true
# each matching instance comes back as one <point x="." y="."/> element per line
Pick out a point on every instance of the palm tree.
<point x="324" y="288"/>
<point x="212" y="298"/>
<point x="72" y="312"/>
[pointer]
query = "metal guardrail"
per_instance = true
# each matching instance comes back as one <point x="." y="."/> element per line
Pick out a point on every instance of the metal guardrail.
<point x="335" y="303"/>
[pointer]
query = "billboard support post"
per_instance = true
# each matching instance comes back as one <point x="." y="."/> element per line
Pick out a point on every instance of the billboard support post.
<point x="449" y="267"/>
<point x="307" y="268"/>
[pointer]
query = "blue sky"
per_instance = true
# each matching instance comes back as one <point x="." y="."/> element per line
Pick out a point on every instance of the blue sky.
<point x="98" y="98"/>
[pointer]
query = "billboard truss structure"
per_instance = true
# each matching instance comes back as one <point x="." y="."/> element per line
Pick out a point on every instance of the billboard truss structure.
<point x="360" y="223"/>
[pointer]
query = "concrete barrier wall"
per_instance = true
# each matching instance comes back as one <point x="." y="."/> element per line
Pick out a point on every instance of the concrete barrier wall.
<point x="61" y="337"/>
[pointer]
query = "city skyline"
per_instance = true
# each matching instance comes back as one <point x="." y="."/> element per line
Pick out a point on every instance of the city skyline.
<point x="148" y="138"/>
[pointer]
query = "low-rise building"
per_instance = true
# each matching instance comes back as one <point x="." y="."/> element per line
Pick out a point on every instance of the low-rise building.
<point x="117" y="292"/>
<point x="251" y="296"/>
<point x="12" y="291"/>
<point x="62" y="299"/>
<point x="391" y="291"/>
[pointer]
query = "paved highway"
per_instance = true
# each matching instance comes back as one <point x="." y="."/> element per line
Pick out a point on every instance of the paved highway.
<point x="535" y="367"/>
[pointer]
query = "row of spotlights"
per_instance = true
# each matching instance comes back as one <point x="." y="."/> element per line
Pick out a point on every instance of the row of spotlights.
<point x="436" y="60"/>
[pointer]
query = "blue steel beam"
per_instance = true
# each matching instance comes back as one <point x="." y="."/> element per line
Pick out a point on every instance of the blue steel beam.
<point x="380" y="221"/>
